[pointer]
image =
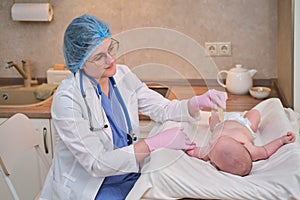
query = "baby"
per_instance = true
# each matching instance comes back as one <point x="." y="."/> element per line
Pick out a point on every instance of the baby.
<point x="231" y="148"/>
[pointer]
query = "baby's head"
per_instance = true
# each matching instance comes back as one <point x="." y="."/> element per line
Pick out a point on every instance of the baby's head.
<point x="231" y="156"/>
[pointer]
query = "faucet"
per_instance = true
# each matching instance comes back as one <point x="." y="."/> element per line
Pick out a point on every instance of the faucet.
<point x="24" y="71"/>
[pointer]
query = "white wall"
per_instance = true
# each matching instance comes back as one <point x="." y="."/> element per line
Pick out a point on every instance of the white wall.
<point x="250" y="25"/>
<point x="296" y="56"/>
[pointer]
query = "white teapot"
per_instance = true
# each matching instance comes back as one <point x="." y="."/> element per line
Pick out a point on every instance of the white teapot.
<point x="238" y="79"/>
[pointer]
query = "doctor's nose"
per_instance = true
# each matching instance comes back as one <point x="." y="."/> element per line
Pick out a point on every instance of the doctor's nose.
<point x="109" y="59"/>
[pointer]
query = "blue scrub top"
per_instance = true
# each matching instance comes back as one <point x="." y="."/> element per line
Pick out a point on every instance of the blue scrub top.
<point x="116" y="187"/>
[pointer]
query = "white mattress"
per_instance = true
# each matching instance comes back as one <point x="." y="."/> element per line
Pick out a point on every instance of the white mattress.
<point x="171" y="174"/>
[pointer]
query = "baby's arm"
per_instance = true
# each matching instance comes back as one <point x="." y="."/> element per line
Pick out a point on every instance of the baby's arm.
<point x="196" y="152"/>
<point x="264" y="152"/>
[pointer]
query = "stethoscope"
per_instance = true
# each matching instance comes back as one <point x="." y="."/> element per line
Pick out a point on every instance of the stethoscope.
<point x="130" y="134"/>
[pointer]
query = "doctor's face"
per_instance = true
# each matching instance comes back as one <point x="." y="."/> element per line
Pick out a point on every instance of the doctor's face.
<point x="102" y="62"/>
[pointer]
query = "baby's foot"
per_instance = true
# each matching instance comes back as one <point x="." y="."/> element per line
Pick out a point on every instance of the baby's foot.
<point x="288" y="138"/>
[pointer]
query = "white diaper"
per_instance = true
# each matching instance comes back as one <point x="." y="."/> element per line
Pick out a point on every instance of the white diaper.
<point x="214" y="136"/>
<point x="238" y="117"/>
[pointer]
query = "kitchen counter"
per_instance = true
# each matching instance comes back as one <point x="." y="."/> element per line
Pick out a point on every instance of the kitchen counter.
<point x="234" y="103"/>
<point x="40" y="111"/>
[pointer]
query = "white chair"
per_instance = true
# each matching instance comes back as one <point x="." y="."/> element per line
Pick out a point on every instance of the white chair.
<point x="17" y="135"/>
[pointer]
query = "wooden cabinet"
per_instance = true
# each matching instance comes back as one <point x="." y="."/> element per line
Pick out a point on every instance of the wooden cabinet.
<point x="43" y="126"/>
<point x="31" y="172"/>
<point x="296" y="58"/>
<point x="288" y="49"/>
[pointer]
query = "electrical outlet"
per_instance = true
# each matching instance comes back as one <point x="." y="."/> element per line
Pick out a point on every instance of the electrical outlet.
<point x="224" y="48"/>
<point x="218" y="48"/>
<point x="211" y="48"/>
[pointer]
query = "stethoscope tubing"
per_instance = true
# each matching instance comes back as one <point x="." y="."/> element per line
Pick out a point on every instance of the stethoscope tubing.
<point x="99" y="93"/>
<point x="92" y="128"/>
<point x="122" y="103"/>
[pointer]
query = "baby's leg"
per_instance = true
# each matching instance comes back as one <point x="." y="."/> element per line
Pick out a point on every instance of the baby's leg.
<point x="254" y="117"/>
<point x="213" y="120"/>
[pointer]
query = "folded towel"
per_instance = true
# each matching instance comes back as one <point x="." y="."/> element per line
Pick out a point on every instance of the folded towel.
<point x="44" y="91"/>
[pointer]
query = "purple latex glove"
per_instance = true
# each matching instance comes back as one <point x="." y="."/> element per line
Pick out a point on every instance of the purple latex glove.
<point x="173" y="138"/>
<point x="211" y="99"/>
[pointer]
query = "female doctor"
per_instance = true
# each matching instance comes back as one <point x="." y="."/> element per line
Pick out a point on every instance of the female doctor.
<point x="95" y="119"/>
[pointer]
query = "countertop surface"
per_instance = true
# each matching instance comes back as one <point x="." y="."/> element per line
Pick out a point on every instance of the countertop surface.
<point x="39" y="111"/>
<point x="234" y="103"/>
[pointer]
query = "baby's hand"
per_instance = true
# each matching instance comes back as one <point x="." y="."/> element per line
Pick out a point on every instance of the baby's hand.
<point x="288" y="138"/>
<point x="194" y="152"/>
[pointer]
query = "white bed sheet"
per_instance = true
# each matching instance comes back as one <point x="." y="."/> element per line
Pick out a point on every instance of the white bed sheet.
<point x="171" y="174"/>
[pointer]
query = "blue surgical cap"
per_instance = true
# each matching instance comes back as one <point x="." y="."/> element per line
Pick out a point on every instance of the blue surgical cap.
<point x="81" y="38"/>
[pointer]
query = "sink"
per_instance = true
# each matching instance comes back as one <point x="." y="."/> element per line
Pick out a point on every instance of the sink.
<point x="161" y="89"/>
<point x="19" y="96"/>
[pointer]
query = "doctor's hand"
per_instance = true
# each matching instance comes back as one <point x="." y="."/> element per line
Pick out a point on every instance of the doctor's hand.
<point x="173" y="138"/>
<point x="211" y="99"/>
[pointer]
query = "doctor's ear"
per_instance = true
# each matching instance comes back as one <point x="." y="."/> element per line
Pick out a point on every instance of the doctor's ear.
<point x="84" y="67"/>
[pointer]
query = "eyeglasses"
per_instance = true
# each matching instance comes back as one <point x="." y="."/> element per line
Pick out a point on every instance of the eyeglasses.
<point x="101" y="58"/>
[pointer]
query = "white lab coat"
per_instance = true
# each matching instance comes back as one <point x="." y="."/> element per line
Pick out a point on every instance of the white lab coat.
<point x="82" y="158"/>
